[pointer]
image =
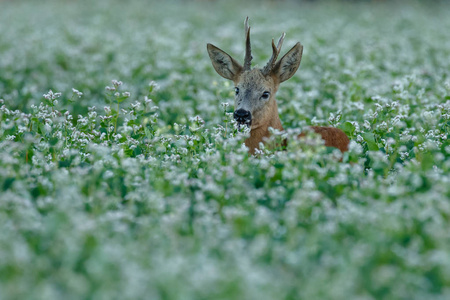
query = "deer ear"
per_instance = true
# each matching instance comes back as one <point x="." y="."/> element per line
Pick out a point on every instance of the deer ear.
<point x="286" y="67"/>
<point x="223" y="63"/>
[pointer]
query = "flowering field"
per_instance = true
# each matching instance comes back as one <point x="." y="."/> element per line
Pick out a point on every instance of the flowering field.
<point x="122" y="175"/>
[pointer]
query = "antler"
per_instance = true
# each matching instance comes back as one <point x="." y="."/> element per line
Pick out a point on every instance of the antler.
<point x="248" y="48"/>
<point x="275" y="51"/>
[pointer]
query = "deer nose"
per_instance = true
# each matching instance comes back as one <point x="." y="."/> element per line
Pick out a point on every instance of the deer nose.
<point x="243" y="116"/>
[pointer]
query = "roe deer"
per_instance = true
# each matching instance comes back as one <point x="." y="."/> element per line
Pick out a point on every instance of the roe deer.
<point x="255" y="104"/>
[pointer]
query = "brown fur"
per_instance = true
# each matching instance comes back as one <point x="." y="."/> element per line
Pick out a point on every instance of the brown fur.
<point x="269" y="117"/>
<point x="260" y="128"/>
<point x="333" y="137"/>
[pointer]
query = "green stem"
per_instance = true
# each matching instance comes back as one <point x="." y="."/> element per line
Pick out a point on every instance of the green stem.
<point x="117" y="117"/>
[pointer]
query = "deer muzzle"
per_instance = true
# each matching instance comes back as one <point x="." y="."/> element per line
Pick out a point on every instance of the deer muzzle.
<point x="243" y="117"/>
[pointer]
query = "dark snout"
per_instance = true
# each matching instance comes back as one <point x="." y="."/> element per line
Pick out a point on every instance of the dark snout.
<point x="243" y="116"/>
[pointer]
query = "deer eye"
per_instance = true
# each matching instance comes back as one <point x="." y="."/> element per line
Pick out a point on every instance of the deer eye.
<point x="265" y="95"/>
<point x="236" y="90"/>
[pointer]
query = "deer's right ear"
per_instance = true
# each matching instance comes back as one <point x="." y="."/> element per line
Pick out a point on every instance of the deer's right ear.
<point x="223" y="63"/>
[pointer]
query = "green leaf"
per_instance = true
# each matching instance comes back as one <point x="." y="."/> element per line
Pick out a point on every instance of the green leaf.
<point x="348" y="128"/>
<point x="369" y="138"/>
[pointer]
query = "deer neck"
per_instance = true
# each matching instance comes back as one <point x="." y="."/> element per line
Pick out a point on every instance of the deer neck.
<point x="260" y="130"/>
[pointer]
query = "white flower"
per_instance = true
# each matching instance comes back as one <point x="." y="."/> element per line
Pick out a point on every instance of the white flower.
<point x="354" y="147"/>
<point x="136" y="104"/>
<point x="77" y="92"/>
<point x="116" y="83"/>
<point x="153" y="85"/>
<point x="147" y="100"/>
<point x="51" y="96"/>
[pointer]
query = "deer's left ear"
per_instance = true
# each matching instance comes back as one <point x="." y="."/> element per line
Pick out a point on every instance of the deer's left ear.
<point x="286" y="67"/>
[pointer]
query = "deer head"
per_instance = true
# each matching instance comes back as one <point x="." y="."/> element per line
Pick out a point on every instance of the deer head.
<point x="255" y="89"/>
<point x="254" y="102"/>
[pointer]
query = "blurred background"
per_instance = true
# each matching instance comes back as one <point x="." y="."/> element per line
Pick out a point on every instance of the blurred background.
<point x="61" y="45"/>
